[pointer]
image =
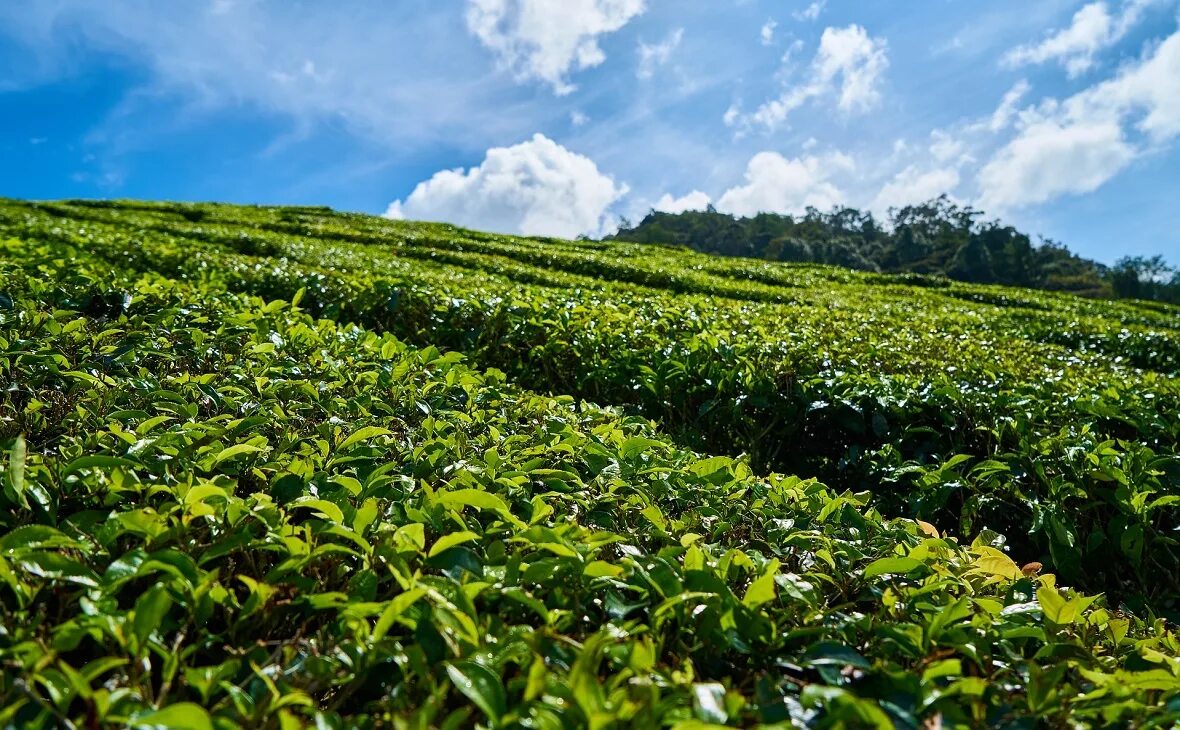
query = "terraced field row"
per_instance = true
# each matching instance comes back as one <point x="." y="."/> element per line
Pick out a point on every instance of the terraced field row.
<point x="1051" y="419"/>
<point x="220" y="512"/>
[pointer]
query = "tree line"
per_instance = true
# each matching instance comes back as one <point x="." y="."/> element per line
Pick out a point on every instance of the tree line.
<point x="938" y="237"/>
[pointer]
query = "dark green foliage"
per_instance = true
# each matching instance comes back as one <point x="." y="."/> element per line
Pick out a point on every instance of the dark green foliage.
<point x="1140" y="277"/>
<point x="874" y="384"/>
<point x="937" y="237"/>
<point x="220" y="511"/>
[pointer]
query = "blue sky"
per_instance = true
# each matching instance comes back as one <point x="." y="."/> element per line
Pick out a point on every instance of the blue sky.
<point x="561" y="116"/>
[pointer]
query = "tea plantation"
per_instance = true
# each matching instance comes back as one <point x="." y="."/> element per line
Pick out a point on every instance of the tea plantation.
<point x="284" y="467"/>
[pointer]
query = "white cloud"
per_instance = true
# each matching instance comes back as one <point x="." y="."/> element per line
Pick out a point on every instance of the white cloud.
<point x="536" y="188"/>
<point x="1003" y="114"/>
<point x="849" y="63"/>
<point x="696" y="200"/>
<point x="767" y="33"/>
<point x="1075" y="146"/>
<point x="548" y="39"/>
<point x="657" y="54"/>
<point x="1074" y="46"/>
<point x="732" y="115"/>
<point x="914" y="185"/>
<point x="811" y="12"/>
<point x="1049" y="159"/>
<point x="1092" y="29"/>
<point x="944" y="146"/>
<point x="858" y="60"/>
<point x="367" y="70"/>
<point x="1150" y="90"/>
<point x="793" y="50"/>
<point x="578" y="118"/>
<point x="775" y="184"/>
<point x="774" y="113"/>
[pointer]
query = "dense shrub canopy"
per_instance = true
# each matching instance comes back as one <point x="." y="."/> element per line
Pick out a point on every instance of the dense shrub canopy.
<point x="937" y="237"/>
<point x="284" y="467"/>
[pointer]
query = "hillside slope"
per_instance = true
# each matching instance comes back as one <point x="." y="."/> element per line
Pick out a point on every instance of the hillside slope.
<point x="965" y="406"/>
<point x="215" y="500"/>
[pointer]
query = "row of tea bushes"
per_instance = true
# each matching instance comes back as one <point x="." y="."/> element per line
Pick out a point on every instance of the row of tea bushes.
<point x="220" y="512"/>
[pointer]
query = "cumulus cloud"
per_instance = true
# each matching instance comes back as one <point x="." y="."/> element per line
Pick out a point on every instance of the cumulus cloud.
<point x="1027" y="153"/>
<point x="1092" y="29"/>
<point x="858" y="60"/>
<point x="848" y="64"/>
<point x="548" y="39"/>
<point x="1003" y="114"/>
<point x="767" y="33"/>
<point x="1075" y="146"/>
<point x="776" y="184"/>
<point x="536" y="188"/>
<point x="696" y="200"/>
<point x="657" y="54"/>
<point x="811" y="12"/>
<point x="1074" y="46"/>
<point x="944" y="146"/>
<point x="1148" y="93"/>
<point x="1049" y="159"/>
<point x="914" y="185"/>
<point x="732" y="115"/>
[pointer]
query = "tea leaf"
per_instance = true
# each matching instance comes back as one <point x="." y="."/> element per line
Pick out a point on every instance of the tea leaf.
<point x="482" y="687"/>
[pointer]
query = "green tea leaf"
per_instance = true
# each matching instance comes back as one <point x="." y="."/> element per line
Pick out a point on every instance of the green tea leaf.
<point x="363" y="434"/>
<point x="482" y="687"/>
<point x="636" y="445"/>
<point x="16" y="466"/>
<point x="97" y="461"/>
<point x="449" y="541"/>
<point x="475" y="498"/>
<point x="38" y="537"/>
<point x="762" y="589"/>
<point x="181" y="716"/>
<point x="897" y="566"/>
<point x="58" y="567"/>
<point x="150" y="610"/>
<point x="1052" y="603"/>
<point x="235" y="450"/>
<point x="394" y="610"/>
<point x="326" y="509"/>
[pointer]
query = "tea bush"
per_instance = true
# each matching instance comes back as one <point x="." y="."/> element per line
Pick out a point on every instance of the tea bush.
<point x="233" y="498"/>
<point x="1051" y="419"/>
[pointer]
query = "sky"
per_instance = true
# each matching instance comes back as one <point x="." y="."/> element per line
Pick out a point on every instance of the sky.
<point x="564" y="117"/>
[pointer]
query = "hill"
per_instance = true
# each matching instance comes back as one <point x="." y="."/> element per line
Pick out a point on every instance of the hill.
<point x="935" y="238"/>
<point x="290" y="467"/>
